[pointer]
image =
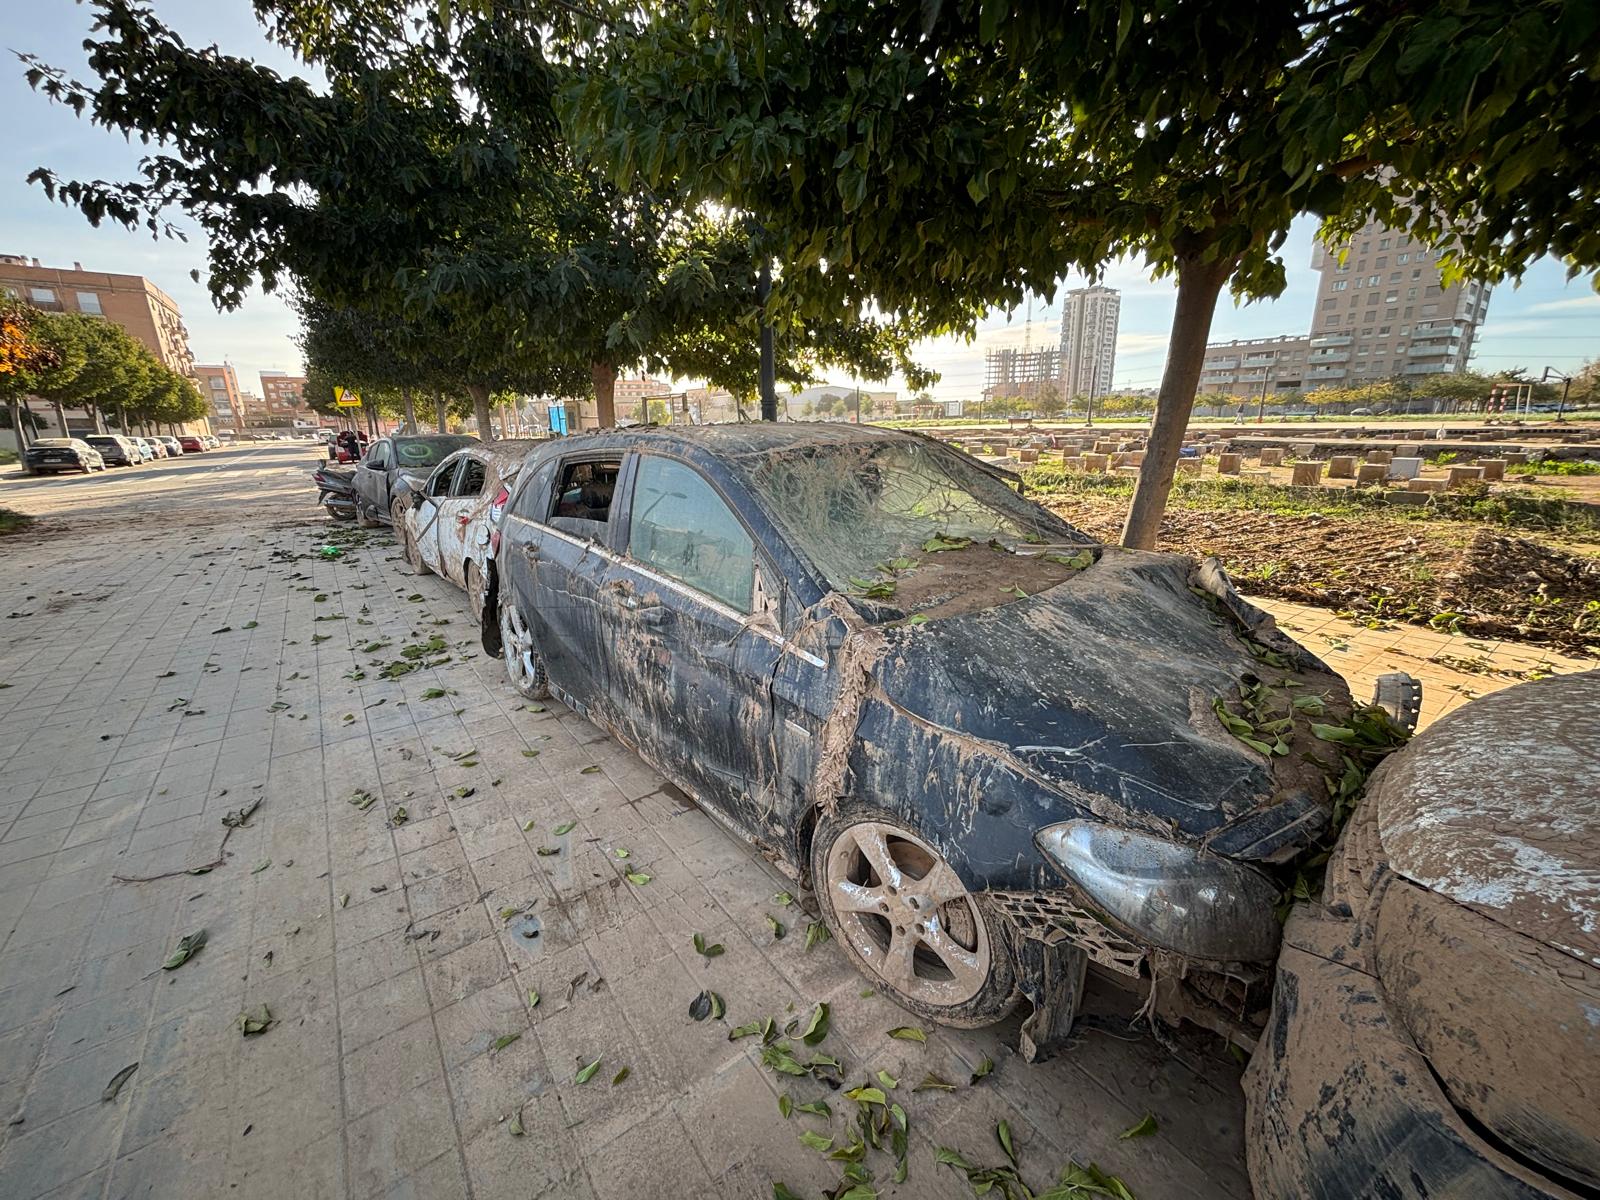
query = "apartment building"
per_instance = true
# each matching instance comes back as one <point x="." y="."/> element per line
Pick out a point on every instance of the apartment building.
<point x="1246" y="368"/>
<point x="628" y="396"/>
<point x="220" y="386"/>
<point x="282" y="400"/>
<point x="131" y="301"/>
<point x="1089" y="340"/>
<point x="1384" y="311"/>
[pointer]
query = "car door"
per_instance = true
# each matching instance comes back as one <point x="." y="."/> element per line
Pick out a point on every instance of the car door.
<point x="372" y="477"/>
<point x="430" y="508"/>
<point x="455" y="513"/>
<point x="688" y="642"/>
<point x="556" y="547"/>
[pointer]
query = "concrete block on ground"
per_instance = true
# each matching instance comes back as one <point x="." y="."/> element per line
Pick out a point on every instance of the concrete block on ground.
<point x="1028" y="456"/>
<point x="1380" y="456"/>
<point x="1073" y="462"/>
<point x="1190" y="466"/>
<point x="1515" y="457"/>
<point x="1096" y="462"/>
<point x="1132" y="472"/>
<point x="1494" y="469"/>
<point x="1228" y="464"/>
<point x="1136" y="458"/>
<point x="1372" y="473"/>
<point x="1272" y="456"/>
<point x="1256" y="476"/>
<point x="1105" y="447"/>
<point x="1342" y="466"/>
<point x="1303" y="449"/>
<point x="1404" y="468"/>
<point x="1307" y="474"/>
<point x="1424" y="485"/>
<point x="1407" y="496"/>
<point x="1461" y="476"/>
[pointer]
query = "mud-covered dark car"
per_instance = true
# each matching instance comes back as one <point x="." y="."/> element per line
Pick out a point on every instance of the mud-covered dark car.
<point x="1435" y="1029"/>
<point x="997" y="750"/>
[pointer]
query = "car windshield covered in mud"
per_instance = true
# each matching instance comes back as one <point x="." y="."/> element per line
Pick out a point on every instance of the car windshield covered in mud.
<point x="997" y="750"/>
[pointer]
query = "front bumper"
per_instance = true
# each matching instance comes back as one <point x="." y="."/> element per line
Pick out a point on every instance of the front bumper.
<point x="1340" y="1103"/>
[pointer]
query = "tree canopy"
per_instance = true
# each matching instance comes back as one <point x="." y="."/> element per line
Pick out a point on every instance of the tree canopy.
<point x="978" y="151"/>
<point x="429" y="184"/>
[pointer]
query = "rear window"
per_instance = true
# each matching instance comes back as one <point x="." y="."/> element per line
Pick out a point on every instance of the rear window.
<point x="426" y="452"/>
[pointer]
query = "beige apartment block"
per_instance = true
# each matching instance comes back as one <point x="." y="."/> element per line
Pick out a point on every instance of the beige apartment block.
<point x="219" y="384"/>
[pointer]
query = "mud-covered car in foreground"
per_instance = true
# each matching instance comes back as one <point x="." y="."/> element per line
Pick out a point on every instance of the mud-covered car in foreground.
<point x="997" y="750"/>
<point x="1435" y="1029"/>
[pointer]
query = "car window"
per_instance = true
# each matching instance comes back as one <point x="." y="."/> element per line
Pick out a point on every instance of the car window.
<point x="439" y="482"/>
<point x="684" y="529"/>
<point x="582" y="499"/>
<point x="532" y="498"/>
<point x="378" y="456"/>
<point x="469" y="481"/>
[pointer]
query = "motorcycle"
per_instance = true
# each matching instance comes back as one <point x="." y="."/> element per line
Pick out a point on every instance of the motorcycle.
<point x="336" y="492"/>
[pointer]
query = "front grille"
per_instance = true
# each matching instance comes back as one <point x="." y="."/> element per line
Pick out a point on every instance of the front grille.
<point x="1053" y="917"/>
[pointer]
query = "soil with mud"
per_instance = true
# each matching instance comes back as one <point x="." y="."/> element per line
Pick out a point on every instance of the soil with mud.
<point x="1496" y="585"/>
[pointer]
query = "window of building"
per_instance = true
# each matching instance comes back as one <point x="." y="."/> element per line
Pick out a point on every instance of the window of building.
<point x="1366" y="247"/>
<point x="42" y="295"/>
<point x="1416" y="273"/>
<point x="1330" y="322"/>
<point x="1342" y="267"/>
<point x="1402" y="260"/>
<point x="1330" y="303"/>
<point x="1383" y="330"/>
<point x="1411" y="293"/>
<point x="89" y="302"/>
<point x="1394" y="276"/>
<point x="1383" y="244"/>
<point x="1383" y="260"/>
<point x="1429" y="310"/>
<point x="1408" y="313"/>
<point x="1372" y="281"/>
<point x="1372" y="297"/>
<point x="1361" y="351"/>
<point x="219" y="383"/>
<point x="1339" y="284"/>
<point x="1404" y="329"/>
<point x="684" y="529"/>
<point x="1392" y="298"/>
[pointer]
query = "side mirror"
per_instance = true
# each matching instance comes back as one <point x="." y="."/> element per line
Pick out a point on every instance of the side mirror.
<point x="416" y="498"/>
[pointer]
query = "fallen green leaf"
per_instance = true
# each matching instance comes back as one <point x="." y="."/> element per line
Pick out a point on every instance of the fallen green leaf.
<point x="547" y="851"/>
<point x="504" y="1040"/>
<point x="187" y="948"/>
<point x="344" y="899"/>
<point x="785" y="1106"/>
<point x="117" y="1080"/>
<point x="817" y="1108"/>
<point x="783" y="899"/>
<point x="888" y="1080"/>
<point x="639" y="878"/>
<point x="1002" y="1133"/>
<point x="777" y="927"/>
<point x="565" y="827"/>
<point x="744" y="1031"/>
<point x="1144" y="1128"/>
<point x="816" y="934"/>
<point x="867" y="1095"/>
<point x="516" y="1122"/>
<point x="622" y="853"/>
<point x="401" y="816"/>
<point x="261" y="866"/>
<point x="817" y="1028"/>
<point x="933" y="1083"/>
<point x="533" y="998"/>
<point x="587" y="1073"/>
<point x="908" y="1033"/>
<point x="816" y="1141"/>
<point x="706" y="951"/>
<point x="251" y="1024"/>
<point x="984" y="1068"/>
<point x="620" y="1076"/>
<point x="589" y="770"/>
<point x="530" y="754"/>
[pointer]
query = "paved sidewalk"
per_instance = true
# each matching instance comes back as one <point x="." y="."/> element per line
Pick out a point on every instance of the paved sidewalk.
<point x="163" y="671"/>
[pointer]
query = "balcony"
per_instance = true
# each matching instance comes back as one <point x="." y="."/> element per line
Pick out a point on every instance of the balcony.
<point x="1443" y="350"/>
<point x="1260" y="360"/>
<point x="1329" y="356"/>
<point x="1331" y="339"/>
<point x="1423" y="369"/>
<point x="1326" y="373"/>
<point x="1222" y="364"/>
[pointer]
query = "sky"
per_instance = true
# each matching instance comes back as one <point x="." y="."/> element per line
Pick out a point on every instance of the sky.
<point x="1547" y="321"/>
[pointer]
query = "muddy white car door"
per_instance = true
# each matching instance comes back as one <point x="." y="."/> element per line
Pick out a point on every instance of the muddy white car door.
<point x="426" y="519"/>
<point x="455" y="518"/>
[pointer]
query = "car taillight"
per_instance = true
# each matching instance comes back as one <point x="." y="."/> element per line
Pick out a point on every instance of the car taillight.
<point x="496" y="511"/>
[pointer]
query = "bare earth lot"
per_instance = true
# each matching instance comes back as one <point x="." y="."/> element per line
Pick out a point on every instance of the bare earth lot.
<point x="163" y="665"/>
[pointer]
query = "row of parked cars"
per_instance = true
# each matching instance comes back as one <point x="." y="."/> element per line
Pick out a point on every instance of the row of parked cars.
<point x="101" y="451"/>
<point x="1003" y="755"/>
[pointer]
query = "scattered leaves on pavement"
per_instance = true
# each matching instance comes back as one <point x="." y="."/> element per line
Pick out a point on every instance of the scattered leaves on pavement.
<point x="908" y="1033"/>
<point x="587" y="1073"/>
<point x="706" y="951"/>
<point x="504" y="1040"/>
<point x="565" y="827"/>
<point x="117" y="1080"/>
<point x="1144" y="1128"/>
<point x="816" y="934"/>
<point x="620" y="1076"/>
<point x="934" y="1083"/>
<point x="777" y="928"/>
<point x="639" y="878"/>
<point x="986" y="1066"/>
<point x="253" y="1023"/>
<point x="817" y="1028"/>
<point x="261" y="866"/>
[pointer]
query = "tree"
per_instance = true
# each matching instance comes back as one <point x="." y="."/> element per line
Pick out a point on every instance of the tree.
<point x="24" y="355"/>
<point x="486" y="229"/>
<point x="979" y="148"/>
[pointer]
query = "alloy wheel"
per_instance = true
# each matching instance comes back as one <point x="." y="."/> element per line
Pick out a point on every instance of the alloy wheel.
<point x="523" y="665"/>
<point x="906" y="914"/>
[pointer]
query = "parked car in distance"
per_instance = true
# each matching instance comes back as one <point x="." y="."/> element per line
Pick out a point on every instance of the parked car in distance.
<point x="994" y="747"/>
<point x="191" y="444"/>
<point x="212" y="442"/>
<point x="386" y="458"/>
<point x="445" y="523"/>
<point x="146" y="451"/>
<point x="1435" y="1027"/>
<point x="173" y="445"/>
<point x="115" y="449"/>
<point x="51" y="455"/>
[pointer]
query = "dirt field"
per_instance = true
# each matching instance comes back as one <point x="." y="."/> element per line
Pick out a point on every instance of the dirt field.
<point x="1450" y="575"/>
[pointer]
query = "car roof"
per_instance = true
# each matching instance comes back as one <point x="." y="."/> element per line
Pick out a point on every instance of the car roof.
<point x="54" y="441"/>
<point x="502" y="453"/>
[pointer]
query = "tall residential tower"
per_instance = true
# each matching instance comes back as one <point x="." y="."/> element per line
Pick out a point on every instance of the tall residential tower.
<point x="1089" y="340"/>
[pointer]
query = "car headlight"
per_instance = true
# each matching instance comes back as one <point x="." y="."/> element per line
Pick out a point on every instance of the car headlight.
<point x="1174" y="896"/>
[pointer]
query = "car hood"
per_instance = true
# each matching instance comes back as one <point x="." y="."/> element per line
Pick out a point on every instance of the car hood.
<point x="1103" y="687"/>
<point x="1495" y="807"/>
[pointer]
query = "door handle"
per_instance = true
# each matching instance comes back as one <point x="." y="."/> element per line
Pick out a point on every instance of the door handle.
<point x="529" y="551"/>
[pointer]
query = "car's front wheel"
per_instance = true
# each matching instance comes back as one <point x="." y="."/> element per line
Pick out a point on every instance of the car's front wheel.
<point x="908" y="923"/>
<point x="524" y="667"/>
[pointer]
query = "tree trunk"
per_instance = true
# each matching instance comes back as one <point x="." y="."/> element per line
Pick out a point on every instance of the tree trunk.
<point x="482" y="411"/>
<point x="1199" y="284"/>
<point x="14" y="407"/>
<point x="99" y="419"/>
<point x="411" y="412"/>
<point x="61" y="417"/>
<point x="441" y="412"/>
<point x="605" y="393"/>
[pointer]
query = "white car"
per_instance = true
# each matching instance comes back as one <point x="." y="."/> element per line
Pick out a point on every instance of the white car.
<point x="445" y="522"/>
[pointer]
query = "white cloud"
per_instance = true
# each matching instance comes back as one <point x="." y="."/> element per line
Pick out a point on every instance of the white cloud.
<point x="1589" y="303"/>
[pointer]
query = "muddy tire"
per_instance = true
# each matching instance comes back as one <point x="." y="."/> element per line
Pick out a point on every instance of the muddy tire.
<point x="908" y="923"/>
<point x="363" y="518"/>
<point x="524" y="667"/>
<point x="413" y="552"/>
